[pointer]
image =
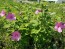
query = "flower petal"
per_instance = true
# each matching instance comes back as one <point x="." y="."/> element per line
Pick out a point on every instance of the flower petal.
<point x="59" y="29"/>
<point x="11" y="16"/>
<point x="16" y="36"/>
<point x="56" y="28"/>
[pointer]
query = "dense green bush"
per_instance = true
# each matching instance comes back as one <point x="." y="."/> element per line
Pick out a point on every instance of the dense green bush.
<point x="37" y="30"/>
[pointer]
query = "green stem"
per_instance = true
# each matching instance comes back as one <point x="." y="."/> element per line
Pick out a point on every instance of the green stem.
<point x="62" y="40"/>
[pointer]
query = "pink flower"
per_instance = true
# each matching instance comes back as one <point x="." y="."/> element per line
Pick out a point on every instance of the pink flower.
<point x="59" y="26"/>
<point x="37" y="11"/>
<point x="16" y="36"/>
<point x="11" y="16"/>
<point x="2" y="13"/>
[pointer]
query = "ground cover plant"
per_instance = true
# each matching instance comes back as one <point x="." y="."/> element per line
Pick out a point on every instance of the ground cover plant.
<point x="31" y="26"/>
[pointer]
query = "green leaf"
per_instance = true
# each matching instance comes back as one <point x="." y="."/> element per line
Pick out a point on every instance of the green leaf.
<point x="59" y="18"/>
<point x="34" y="31"/>
<point x="6" y="26"/>
<point x="34" y="22"/>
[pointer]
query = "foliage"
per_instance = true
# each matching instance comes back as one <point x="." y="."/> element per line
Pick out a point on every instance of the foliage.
<point x="37" y="30"/>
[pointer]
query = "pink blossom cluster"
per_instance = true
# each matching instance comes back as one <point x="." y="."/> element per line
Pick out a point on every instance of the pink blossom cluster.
<point x="38" y="11"/>
<point x="9" y="16"/>
<point x="2" y="13"/>
<point x="15" y="36"/>
<point x="59" y="26"/>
